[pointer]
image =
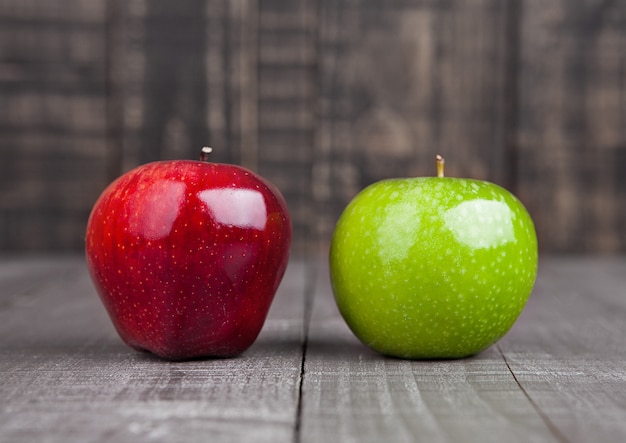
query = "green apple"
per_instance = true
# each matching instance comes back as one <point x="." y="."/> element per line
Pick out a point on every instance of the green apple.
<point x="432" y="267"/>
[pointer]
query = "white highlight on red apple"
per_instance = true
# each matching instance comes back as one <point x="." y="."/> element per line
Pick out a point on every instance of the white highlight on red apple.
<point x="245" y="208"/>
<point x="152" y="213"/>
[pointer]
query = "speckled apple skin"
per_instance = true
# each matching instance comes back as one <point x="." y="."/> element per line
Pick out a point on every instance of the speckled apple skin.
<point x="187" y="256"/>
<point x="426" y="268"/>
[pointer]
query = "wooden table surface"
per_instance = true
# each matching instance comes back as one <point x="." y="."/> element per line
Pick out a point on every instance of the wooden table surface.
<point x="558" y="376"/>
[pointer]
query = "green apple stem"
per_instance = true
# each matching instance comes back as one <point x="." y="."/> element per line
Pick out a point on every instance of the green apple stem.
<point x="440" y="164"/>
<point x="205" y="152"/>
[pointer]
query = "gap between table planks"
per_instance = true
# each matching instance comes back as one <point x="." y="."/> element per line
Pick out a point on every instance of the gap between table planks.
<point x="65" y="375"/>
<point x="558" y="376"/>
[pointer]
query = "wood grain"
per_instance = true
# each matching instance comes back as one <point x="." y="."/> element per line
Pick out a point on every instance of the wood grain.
<point x="287" y="97"/>
<point x="558" y="376"/>
<point x="567" y="350"/>
<point x="322" y="98"/>
<point x="52" y="126"/>
<point x="401" y="83"/>
<point x="572" y="115"/>
<point x="66" y="376"/>
<point x="352" y="394"/>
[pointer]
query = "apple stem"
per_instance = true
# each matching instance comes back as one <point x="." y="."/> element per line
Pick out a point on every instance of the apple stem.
<point x="440" y="164"/>
<point x="205" y="152"/>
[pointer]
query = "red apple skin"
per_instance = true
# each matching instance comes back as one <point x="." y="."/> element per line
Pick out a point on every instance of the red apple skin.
<point x="187" y="256"/>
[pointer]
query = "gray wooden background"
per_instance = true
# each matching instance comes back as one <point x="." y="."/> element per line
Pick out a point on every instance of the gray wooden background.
<point x="322" y="98"/>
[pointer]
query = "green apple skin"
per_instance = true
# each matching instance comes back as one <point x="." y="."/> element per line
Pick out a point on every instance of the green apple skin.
<point x="432" y="267"/>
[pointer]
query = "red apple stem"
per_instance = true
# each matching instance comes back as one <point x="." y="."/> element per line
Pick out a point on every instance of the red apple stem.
<point x="205" y="152"/>
<point x="440" y="164"/>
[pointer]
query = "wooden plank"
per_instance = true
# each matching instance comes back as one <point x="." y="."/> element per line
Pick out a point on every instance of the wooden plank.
<point x="322" y="98"/>
<point x="170" y="79"/>
<point x="52" y="130"/>
<point x="189" y="80"/>
<point x="286" y="97"/>
<point x="204" y="89"/>
<point x="401" y="82"/>
<point x="21" y="277"/>
<point x="567" y="349"/>
<point x="115" y="70"/>
<point x="86" y="12"/>
<point x="352" y="394"/>
<point x="572" y="115"/>
<point x="559" y="375"/>
<point x="66" y="376"/>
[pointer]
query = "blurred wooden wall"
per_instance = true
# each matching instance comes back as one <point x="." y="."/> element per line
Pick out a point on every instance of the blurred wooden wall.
<point x="322" y="98"/>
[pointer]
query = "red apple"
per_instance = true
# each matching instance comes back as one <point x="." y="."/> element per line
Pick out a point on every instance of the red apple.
<point x="187" y="256"/>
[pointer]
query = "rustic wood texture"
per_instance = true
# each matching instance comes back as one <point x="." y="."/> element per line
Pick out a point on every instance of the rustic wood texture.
<point x="52" y="126"/>
<point x="572" y="115"/>
<point x="567" y="350"/>
<point x="286" y="105"/>
<point x="320" y="97"/>
<point x="558" y="376"/>
<point x="66" y="376"/>
<point x="352" y="394"/>
<point x="401" y="82"/>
